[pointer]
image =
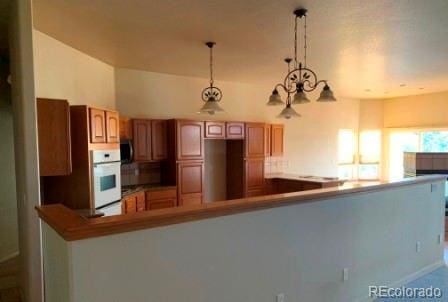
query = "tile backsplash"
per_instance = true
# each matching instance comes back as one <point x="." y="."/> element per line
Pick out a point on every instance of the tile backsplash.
<point x="140" y="173"/>
<point x="275" y="165"/>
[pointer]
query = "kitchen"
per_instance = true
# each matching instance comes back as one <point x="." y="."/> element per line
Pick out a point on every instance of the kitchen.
<point x="108" y="164"/>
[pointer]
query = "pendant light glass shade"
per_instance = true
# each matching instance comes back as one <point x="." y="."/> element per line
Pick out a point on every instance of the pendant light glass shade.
<point x="326" y="95"/>
<point x="211" y="107"/>
<point x="300" y="97"/>
<point x="275" y="99"/>
<point x="288" y="112"/>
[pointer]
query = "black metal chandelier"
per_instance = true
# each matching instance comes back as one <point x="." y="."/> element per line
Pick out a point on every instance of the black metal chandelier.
<point x="300" y="79"/>
<point x="211" y="95"/>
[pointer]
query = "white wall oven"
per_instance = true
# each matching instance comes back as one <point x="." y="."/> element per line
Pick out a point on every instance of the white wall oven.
<point x="106" y="177"/>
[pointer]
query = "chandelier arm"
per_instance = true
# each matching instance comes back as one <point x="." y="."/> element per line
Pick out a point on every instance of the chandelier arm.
<point x="285" y="88"/>
<point x="313" y="87"/>
<point x="211" y="91"/>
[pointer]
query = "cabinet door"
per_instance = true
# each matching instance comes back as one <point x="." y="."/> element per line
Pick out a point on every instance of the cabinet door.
<point x="215" y="130"/>
<point x="254" y="177"/>
<point x="267" y="140"/>
<point x="254" y="142"/>
<point x="140" y="202"/>
<point x="190" y="140"/>
<point x="112" y="127"/>
<point x="190" y="179"/>
<point x="125" y="128"/>
<point x="129" y="204"/>
<point x="235" y="130"/>
<point x="53" y="121"/>
<point x="97" y="126"/>
<point x="142" y="140"/>
<point x="277" y="132"/>
<point x="159" y="139"/>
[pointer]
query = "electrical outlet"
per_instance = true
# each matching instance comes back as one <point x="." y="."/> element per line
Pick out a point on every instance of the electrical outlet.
<point x="418" y="247"/>
<point x="280" y="298"/>
<point x="433" y="187"/>
<point x="345" y="274"/>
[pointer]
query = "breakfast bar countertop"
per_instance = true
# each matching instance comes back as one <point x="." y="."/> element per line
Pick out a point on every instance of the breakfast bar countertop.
<point x="72" y="226"/>
<point x="308" y="178"/>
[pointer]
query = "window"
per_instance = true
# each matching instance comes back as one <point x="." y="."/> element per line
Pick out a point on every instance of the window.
<point x="434" y="141"/>
<point x="369" y="154"/>
<point x="346" y="154"/>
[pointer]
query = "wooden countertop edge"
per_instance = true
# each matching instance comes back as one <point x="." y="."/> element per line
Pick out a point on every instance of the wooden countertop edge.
<point x="71" y="226"/>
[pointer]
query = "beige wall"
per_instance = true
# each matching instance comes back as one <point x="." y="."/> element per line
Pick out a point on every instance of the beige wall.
<point x="310" y="141"/>
<point x="299" y="250"/>
<point x="62" y="72"/>
<point x="425" y="110"/>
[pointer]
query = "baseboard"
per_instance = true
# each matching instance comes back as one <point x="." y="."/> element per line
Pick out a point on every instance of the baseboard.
<point x="426" y="270"/>
<point x="9" y="257"/>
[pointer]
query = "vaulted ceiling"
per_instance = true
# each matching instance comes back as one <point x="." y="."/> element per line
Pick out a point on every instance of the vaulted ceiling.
<point x="366" y="49"/>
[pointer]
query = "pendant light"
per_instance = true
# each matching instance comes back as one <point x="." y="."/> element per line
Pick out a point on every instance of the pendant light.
<point x="301" y="79"/>
<point x="288" y="112"/>
<point x="211" y="95"/>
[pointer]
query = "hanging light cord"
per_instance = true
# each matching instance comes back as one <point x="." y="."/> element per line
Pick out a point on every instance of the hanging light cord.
<point x="304" y="45"/>
<point x="288" y="100"/>
<point x="211" y="66"/>
<point x="295" y="43"/>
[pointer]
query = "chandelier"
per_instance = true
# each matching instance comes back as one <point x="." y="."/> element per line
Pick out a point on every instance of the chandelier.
<point x="211" y="95"/>
<point x="300" y="79"/>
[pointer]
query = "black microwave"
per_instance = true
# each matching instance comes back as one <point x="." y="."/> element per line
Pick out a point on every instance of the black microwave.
<point x="126" y="151"/>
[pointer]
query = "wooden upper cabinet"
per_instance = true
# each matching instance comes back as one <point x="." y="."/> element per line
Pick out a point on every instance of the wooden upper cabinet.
<point x="53" y="121"/>
<point x="112" y="127"/>
<point x="125" y="128"/>
<point x="215" y="130"/>
<point x="277" y="133"/>
<point x="97" y="126"/>
<point x="254" y="177"/>
<point x="255" y="140"/>
<point x="235" y="130"/>
<point x="190" y="182"/>
<point x="159" y="139"/>
<point x="267" y="140"/>
<point x="190" y="140"/>
<point x="142" y="139"/>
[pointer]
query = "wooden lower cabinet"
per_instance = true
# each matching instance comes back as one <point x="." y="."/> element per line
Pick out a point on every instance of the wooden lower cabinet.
<point x="190" y="182"/>
<point x="133" y="203"/>
<point x="161" y="199"/>
<point x="254" y="182"/>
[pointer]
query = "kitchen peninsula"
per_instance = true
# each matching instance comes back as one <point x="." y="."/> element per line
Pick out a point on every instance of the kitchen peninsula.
<point x="354" y="219"/>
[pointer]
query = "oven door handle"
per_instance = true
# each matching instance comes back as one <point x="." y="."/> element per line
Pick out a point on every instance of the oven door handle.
<point x="114" y="164"/>
<point x="131" y="152"/>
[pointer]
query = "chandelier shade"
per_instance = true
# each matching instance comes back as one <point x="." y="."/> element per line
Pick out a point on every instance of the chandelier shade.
<point x="326" y="95"/>
<point x="275" y="99"/>
<point x="300" y="97"/>
<point x="288" y="112"/>
<point x="211" y="95"/>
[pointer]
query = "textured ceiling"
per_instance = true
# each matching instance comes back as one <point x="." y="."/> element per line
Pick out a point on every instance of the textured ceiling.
<point x="366" y="49"/>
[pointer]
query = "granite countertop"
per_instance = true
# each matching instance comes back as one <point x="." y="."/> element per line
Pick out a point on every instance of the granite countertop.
<point x="128" y="190"/>
<point x="308" y="178"/>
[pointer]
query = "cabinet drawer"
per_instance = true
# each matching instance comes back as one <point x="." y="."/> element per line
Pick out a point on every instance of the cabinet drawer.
<point x="161" y="204"/>
<point x="163" y="194"/>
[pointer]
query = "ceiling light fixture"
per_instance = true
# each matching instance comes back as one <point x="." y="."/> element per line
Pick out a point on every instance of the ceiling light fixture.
<point x="211" y="95"/>
<point x="301" y="79"/>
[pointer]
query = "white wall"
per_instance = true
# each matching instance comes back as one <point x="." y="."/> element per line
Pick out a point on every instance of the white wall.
<point x="62" y="72"/>
<point x="310" y="142"/>
<point x="299" y="250"/>
<point x="25" y="148"/>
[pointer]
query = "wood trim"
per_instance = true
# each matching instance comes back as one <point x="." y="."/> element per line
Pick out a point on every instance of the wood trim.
<point x="71" y="226"/>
